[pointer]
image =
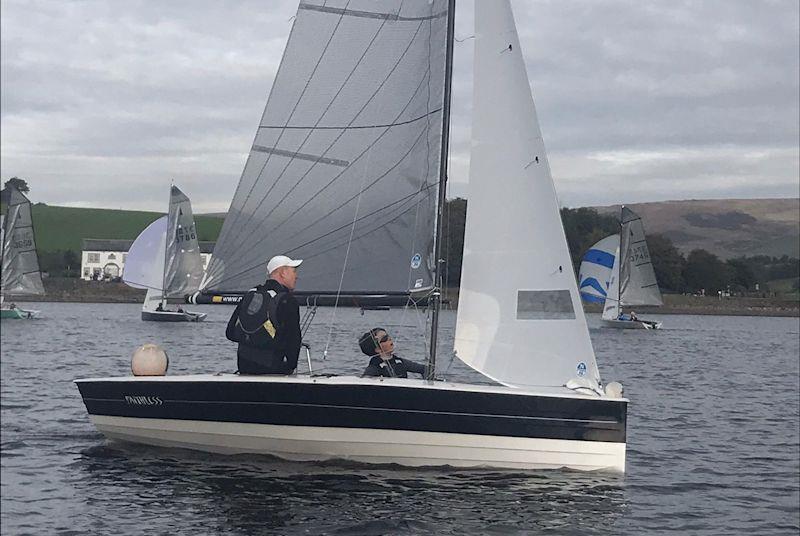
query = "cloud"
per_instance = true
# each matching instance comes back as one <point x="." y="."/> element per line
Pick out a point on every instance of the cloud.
<point x="104" y="103"/>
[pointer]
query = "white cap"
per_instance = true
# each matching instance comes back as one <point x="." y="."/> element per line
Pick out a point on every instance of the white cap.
<point x="281" y="260"/>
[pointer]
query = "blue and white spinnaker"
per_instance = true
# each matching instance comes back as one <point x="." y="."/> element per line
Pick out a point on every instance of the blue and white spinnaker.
<point x="597" y="269"/>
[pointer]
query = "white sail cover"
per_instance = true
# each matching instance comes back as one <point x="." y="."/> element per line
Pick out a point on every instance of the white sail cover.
<point x="595" y="272"/>
<point x="520" y="318"/>
<point x="20" y="265"/>
<point x="637" y="280"/>
<point x="183" y="267"/>
<point x="344" y="169"/>
<point x="144" y="266"/>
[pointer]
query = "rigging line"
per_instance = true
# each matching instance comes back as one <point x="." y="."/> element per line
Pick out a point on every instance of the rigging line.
<point x="330" y="146"/>
<point x="357" y="127"/>
<point x="308" y="135"/>
<point x="261" y="264"/>
<point x="344" y="264"/>
<point x="289" y="118"/>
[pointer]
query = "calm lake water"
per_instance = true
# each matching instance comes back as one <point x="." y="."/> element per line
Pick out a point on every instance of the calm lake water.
<point x="713" y="443"/>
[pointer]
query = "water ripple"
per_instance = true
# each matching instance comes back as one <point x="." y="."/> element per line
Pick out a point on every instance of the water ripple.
<point x="713" y="441"/>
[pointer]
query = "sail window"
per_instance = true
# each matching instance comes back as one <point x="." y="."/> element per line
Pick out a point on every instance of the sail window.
<point x="544" y="305"/>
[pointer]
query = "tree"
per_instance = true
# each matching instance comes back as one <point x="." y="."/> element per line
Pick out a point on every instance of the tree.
<point x="455" y="215"/>
<point x="704" y="270"/>
<point x="72" y="263"/>
<point x="742" y="276"/>
<point x="19" y="184"/>
<point x="584" y="227"/>
<point x="668" y="262"/>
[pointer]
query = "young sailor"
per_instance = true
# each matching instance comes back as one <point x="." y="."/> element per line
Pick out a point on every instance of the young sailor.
<point x="377" y="344"/>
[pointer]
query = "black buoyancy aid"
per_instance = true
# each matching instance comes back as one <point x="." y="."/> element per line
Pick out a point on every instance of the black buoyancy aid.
<point x="258" y="317"/>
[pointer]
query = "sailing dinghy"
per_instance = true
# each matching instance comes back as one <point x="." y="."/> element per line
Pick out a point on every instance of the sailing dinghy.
<point x="617" y="271"/>
<point x="165" y="260"/>
<point x="20" y="263"/>
<point x="347" y="172"/>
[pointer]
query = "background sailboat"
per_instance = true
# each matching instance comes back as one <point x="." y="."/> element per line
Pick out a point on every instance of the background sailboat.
<point x="618" y="272"/>
<point x="165" y="259"/>
<point x="347" y="172"/>
<point x="20" y="263"/>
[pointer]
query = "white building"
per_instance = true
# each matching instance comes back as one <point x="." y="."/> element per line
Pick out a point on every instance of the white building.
<point x="105" y="258"/>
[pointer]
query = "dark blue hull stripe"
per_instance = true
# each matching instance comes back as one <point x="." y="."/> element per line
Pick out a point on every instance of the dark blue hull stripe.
<point x="385" y="407"/>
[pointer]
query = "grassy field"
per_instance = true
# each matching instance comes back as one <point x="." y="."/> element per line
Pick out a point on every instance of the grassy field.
<point x="63" y="228"/>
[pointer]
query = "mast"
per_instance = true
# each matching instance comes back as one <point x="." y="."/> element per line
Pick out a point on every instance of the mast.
<point x="619" y="262"/>
<point x="430" y="369"/>
<point x="166" y="251"/>
<point x="3" y="248"/>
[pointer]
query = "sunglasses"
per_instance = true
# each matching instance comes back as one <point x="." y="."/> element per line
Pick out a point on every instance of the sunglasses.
<point x="384" y="338"/>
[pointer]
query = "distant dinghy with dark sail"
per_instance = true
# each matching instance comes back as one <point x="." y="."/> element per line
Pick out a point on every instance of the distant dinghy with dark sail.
<point x="347" y="171"/>
<point x="165" y="259"/>
<point x="20" y="263"/>
<point x="617" y="272"/>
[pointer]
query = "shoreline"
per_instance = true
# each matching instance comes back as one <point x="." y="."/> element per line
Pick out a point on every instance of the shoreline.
<point x="80" y="291"/>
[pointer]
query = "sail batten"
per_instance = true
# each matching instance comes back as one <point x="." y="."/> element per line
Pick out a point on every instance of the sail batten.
<point x="348" y="145"/>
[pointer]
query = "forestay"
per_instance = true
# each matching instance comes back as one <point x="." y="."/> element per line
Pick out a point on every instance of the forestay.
<point x="20" y="262"/>
<point x="595" y="272"/>
<point x="344" y="168"/>
<point x="637" y="279"/>
<point x="520" y="319"/>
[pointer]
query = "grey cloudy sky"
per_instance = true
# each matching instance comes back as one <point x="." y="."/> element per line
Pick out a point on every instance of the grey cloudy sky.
<point x="105" y="102"/>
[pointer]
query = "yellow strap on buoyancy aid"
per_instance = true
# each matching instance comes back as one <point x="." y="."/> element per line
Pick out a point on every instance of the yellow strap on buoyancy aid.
<point x="270" y="328"/>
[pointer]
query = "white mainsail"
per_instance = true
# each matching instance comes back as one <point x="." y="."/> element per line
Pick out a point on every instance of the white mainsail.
<point x="520" y="318"/>
<point x="344" y="168"/>
<point x="20" y="265"/>
<point x="637" y="279"/>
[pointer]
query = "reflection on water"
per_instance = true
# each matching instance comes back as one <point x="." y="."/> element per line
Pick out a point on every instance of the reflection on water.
<point x="248" y="494"/>
<point x="713" y="443"/>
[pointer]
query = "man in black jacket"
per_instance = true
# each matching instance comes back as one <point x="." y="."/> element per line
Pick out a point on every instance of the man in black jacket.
<point x="380" y="346"/>
<point x="266" y="323"/>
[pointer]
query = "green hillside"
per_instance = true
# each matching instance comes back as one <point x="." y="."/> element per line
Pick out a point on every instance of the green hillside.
<point x="63" y="228"/>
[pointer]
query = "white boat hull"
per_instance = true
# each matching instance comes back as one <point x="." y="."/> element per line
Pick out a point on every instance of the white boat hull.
<point x="402" y="447"/>
<point x="631" y="324"/>
<point x="171" y="316"/>
<point x="370" y="420"/>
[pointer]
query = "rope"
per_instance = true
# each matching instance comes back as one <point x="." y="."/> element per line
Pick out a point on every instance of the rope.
<point x="346" y="256"/>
